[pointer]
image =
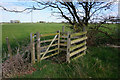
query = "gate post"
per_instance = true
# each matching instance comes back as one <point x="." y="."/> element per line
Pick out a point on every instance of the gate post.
<point x="32" y="48"/>
<point x="85" y="44"/>
<point x="63" y="28"/>
<point x="9" y="48"/>
<point x="58" y="41"/>
<point x="38" y="46"/>
<point x="68" y="47"/>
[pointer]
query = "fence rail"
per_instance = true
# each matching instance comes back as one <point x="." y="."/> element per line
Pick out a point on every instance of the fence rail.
<point x="77" y="46"/>
<point x="52" y="34"/>
<point x="78" y="34"/>
<point x="78" y="40"/>
<point x="78" y="51"/>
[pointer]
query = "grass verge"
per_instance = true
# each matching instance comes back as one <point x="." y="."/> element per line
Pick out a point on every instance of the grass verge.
<point x="99" y="62"/>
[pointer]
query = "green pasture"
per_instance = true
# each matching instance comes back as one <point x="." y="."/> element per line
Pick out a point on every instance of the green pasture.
<point x="21" y="31"/>
<point x="99" y="62"/>
<point x="19" y="34"/>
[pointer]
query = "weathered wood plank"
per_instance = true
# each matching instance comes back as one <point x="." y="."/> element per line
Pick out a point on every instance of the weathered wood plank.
<point x="77" y="46"/>
<point x="63" y="36"/>
<point x="9" y="48"/>
<point x="62" y="44"/>
<point x="50" y="51"/>
<point x="76" y="37"/>
<point x="52" y="34"/>
<point x="59" y="41"/>
<point x="85" y="44"/>
<point x="78" y="34"/>
<point x="68" y="47"/>
<point x="32" y="48"/>
<point x="78" y="40"/>
<point x="50" y="56"/>
<point x="47" y="40"/>
<point x="38" y="46"/>
<point x="48" y="45"/>
<point x="63" y="40"/>
<point x="78" y="51"/>
<point x="78" y="56"/>
<point x="61" y="49"/>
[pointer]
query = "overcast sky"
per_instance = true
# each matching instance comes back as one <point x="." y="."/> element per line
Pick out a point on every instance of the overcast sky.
<point x="43" y="15"/>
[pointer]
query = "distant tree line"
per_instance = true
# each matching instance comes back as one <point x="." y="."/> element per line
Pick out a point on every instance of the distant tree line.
<point x="14" y="21"/>
<point x="41" y="22"/>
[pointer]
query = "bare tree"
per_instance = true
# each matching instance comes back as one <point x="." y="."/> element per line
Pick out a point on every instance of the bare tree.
<point x="78" y="14"/>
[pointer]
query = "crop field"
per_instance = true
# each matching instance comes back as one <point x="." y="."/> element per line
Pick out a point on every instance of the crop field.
<point x="99" y="62"/>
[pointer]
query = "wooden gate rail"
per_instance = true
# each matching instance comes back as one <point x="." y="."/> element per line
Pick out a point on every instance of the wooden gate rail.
<point x="78" y="51"/>
<point x="52" y="34"/>
<point x="78" y="34"/>
<point x="77" y="46"/>
<point x="78" y="40"/>
<point x="48" y="40"/>
<point x="48" y="45"/>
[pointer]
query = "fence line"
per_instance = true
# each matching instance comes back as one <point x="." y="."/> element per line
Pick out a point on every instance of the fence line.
<point x="68" y="40"/>
<point x="73" y="44"/>
<point x="78" y="46"/>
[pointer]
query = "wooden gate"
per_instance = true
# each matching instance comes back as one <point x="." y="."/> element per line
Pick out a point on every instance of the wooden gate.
<point x="74" y="45"/>
<point x="47" y="50"/>
<point x="46" y="45"/>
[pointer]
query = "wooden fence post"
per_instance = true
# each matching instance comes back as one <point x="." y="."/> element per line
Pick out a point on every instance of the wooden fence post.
<point x="63" y="29"/>
<point x="32" y="48"/>
<point x="38" y="46"/>
<point x="9" y="48"/>
<point x="58" y="41"/>
<point x="85" y="44"/>
<point x="68" y="47"/>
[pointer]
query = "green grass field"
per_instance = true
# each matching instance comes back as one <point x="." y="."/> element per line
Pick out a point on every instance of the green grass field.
<point x="99" y="62"/>
<point x="21" y="31"/>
